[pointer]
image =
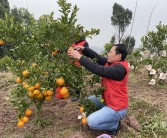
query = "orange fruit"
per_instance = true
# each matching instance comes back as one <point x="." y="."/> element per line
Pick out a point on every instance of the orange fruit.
<point x="25" y="73"/>
<point x="45" y="93"/>
<point x="36" y="92"/>
<point x="24" y="83"/>
<point x="66" y="96"/>
<point x="84" y="120"/>
<point x="34" y="65"/>
<point x="30" y="94"/>
<point x="48" y="98"/>
<point x="18" y="80"/>
<point x="81" y="109"/>
<point x="64" y="91"/>
<point x="31" y="88"/>
<point x="54" y="52"/>
<point x="28" y="112"/>
<point x="49" y="92"/>
<point x="25" y="119"/>
<point x="20" y="124"/>
<point x="60" y="81"/>
<point x="39" y="96"/>
<point x="37" y="86"/>
<point x="2" y="42"/>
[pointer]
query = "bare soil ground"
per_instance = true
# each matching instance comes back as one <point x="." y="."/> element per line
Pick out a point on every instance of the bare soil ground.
<point x="60" y="116"/>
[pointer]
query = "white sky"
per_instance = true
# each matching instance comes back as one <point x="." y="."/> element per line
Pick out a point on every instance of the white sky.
<point x="97" y="14"/>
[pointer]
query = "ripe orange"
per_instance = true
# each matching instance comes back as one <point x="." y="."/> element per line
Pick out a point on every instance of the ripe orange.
<point x="28" y="112"/>
<point x="30" y="94"/>
<point x="25" y="73"/>
<point x="37" y="85"/>
<point x="20" y="124"/>
<point x="2" y="42"/>
<point x="81" y="109"/>
<point x="66" y="96"/>
<point x="36" y="92"/>
<point x="25" y="119"/>
<point x="24" y="83"/>
<point x="31" y="88"/>
<point x="39" y="96"/>
<point x="54" y="53"/>
<point x="60" y="81"/>
<point x="64" y="91"/>
<point x="84" y="120"/>
<point x="48" y="98"/>
<point x="34" y="65"/>
<point x="18" y="80"/>
<point x="45" y="93"/>
<point x="49" y="92"/>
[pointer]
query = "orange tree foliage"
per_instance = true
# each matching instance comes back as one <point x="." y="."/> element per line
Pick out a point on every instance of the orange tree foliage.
<point x="39" y="52"/>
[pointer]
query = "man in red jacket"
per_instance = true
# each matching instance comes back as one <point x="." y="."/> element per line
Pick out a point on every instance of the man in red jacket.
<point x="114" y="72"/>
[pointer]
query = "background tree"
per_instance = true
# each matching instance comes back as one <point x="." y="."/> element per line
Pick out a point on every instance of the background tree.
<point x="155" y="40"/>
<point x="21" y="15"/>
<point x="155" y="43"/>
<point x="4" y="7"/>
<point x="113" y="40"/>
<point x="107" y="48"/>
<point x="121" y="19"/>
<point x="126" y="40"/>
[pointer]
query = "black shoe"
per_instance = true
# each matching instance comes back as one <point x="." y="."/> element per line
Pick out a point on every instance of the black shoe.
<point x="115" y="132"/>
<point x="76" y="97"/>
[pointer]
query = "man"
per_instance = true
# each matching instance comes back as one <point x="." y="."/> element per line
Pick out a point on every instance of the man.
<point x="114" y="73"/>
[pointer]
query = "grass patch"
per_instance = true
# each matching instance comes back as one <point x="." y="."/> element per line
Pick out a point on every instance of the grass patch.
<point x="153" y="121"/>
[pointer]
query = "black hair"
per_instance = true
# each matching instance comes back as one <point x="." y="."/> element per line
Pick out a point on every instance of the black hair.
<point x="121" y="49"/>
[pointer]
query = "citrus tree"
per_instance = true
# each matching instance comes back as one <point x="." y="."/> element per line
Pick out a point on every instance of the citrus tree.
<point x="155" y="42"/>
<point x="40" y="60"/>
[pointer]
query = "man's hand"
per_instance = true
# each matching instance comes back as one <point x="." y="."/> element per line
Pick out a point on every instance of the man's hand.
<point x="74" y="53"/>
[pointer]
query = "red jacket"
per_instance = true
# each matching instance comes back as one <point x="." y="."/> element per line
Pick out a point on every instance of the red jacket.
<point x="116" y="92"/>
<point x="80" y="43"/>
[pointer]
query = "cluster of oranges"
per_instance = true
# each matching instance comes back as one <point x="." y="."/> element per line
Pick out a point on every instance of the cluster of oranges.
<point x="62" y="90"/>
<point x="84" y="119"/>
<point x="24" y="119"/>
<point x="34" y="91"/>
